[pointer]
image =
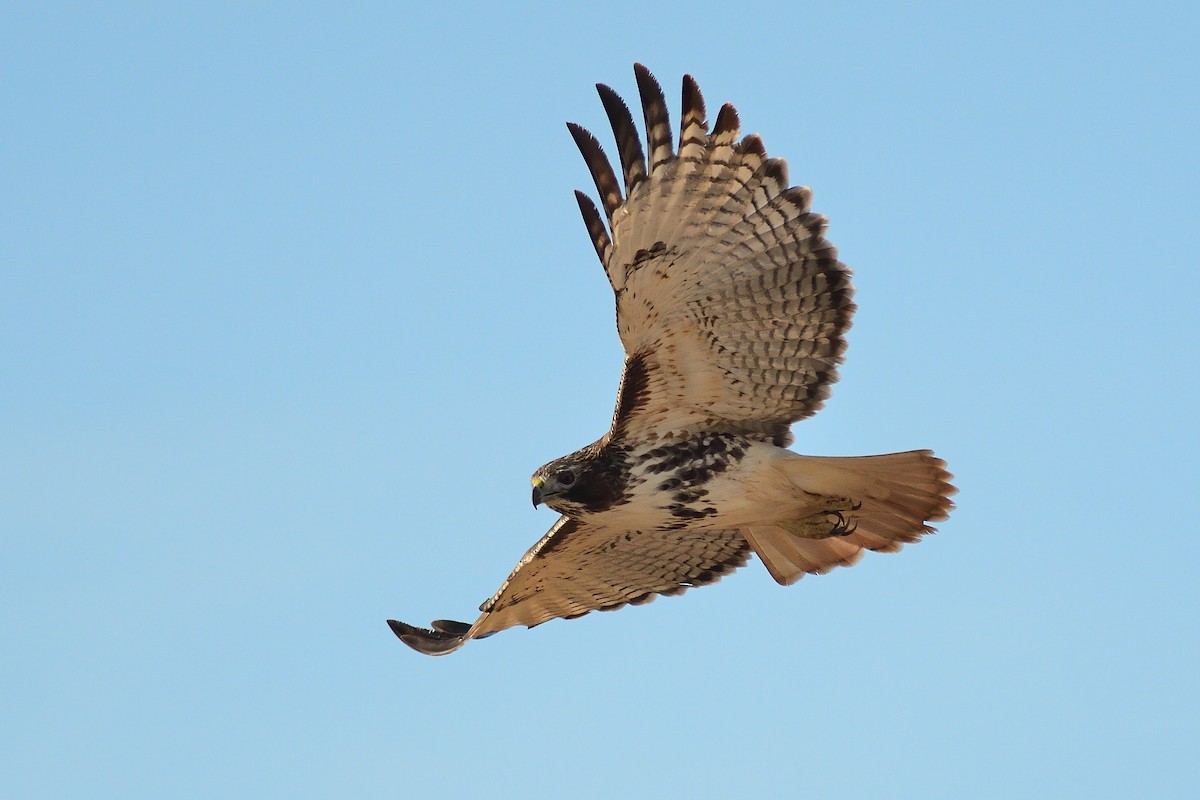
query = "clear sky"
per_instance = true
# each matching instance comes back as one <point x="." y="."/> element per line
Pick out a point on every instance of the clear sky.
<point x="294" y="298"/>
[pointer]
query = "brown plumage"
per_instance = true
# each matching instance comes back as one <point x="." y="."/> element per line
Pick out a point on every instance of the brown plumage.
<point x="732" y="309"/>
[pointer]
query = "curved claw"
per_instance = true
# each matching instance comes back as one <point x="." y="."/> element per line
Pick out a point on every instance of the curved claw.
<point x="446" y="636"/>
<point x="842" y="527"/>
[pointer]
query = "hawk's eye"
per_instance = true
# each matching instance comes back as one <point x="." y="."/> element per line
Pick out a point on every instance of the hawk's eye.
<point x="566" y="477"/>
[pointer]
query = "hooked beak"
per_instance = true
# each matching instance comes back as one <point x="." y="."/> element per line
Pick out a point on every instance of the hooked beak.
<point x="537" y="495"/>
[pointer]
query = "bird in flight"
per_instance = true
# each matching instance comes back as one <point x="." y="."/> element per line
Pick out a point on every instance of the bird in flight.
<point x="732" y="308"/>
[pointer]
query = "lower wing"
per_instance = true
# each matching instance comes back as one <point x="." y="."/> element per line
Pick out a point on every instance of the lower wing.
<point x="579" y="567"/>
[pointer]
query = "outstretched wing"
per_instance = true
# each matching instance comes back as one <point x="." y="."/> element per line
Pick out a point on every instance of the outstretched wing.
<point x="731" y="304"/>
<point x="579" y="567"/>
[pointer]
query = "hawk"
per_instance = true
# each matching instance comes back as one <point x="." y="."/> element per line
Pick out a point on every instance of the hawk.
<point x="732" y="308"/>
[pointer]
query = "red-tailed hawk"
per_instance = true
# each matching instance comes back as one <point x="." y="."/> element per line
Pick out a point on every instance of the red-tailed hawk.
<point x="732" y="307"/>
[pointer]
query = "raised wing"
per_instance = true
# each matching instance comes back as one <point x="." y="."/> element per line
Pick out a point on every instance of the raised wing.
<point x="579" y="567"/>
<point x="731" y="304"/>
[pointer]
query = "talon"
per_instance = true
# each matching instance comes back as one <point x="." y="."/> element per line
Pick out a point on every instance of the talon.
<point x="841" y="527"/>
<point x="822" y="524"/>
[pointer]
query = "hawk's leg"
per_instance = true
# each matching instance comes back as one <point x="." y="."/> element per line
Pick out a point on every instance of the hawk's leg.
<point x="831" y="521"/>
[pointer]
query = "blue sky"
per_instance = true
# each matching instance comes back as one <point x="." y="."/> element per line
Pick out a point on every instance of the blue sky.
<point x="293" y="299"/>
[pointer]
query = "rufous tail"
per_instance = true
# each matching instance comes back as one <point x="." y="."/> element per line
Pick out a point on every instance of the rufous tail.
<point x="897" y="495"/>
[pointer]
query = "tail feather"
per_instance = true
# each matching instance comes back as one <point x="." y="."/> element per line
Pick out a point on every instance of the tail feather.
<point x="899" y="493"/>
<point x="788" y="557"/>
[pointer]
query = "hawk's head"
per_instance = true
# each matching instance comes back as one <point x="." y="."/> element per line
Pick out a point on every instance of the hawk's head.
<point x="587" y="481"/>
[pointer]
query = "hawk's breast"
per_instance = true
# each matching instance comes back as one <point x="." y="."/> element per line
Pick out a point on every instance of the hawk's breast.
<point x="698" y="481"/>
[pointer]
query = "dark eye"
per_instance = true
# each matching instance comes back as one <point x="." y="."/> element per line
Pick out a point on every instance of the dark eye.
<point x="566" y="477"/>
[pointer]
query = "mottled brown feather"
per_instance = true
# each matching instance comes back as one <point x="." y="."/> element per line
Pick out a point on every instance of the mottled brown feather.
<point x="726" y="288"/>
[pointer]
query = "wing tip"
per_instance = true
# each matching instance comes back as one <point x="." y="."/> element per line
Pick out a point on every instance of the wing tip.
<point x="445" y="637"/>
